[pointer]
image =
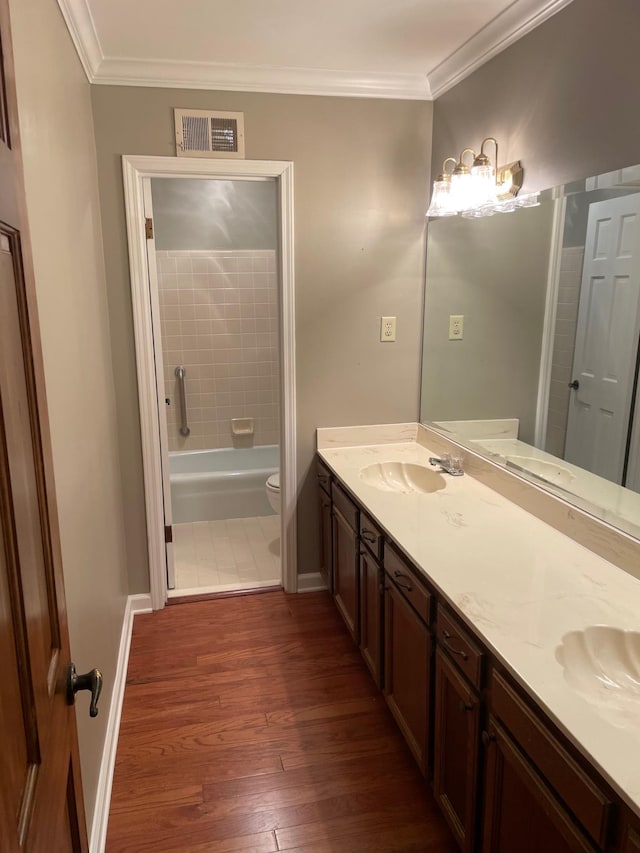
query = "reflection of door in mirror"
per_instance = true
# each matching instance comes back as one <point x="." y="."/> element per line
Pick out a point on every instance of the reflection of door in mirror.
<point x="590" y="424"/>
<point x="606" y="340"/>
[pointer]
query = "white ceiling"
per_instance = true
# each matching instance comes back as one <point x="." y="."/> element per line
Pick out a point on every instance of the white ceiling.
<point x="379" y="48"/>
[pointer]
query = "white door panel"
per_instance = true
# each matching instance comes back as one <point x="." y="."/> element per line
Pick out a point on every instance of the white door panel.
<point x="608" y="326"/>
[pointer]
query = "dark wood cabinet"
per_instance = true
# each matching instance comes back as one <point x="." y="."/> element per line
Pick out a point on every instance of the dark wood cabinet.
<point x="407" y="671"/>
<point x="631" y="840"/>
<point x="456" y="750"/>
<point x="371" y="615"/>
<point x="519" y="786"/>
<point x="521" y="813"/>
<point x="346" y="560"/>
<point x="324" y="479"/>
<point x="575" y="790"/>
<point x="326" y="540"/>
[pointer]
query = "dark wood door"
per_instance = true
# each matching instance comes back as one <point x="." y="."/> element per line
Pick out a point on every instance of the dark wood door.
<point x="521" y="814"/>
<point x="371" y="615"/>
<point x="407" y="669"/>
<point x="326" y="562"/>
<point x="345" y="571"/>
<point x="456" y="751"/>
<point x="40" y="792"/>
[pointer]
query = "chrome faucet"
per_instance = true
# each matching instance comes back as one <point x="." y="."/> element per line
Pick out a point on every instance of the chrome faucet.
<point x="448" y="463"/>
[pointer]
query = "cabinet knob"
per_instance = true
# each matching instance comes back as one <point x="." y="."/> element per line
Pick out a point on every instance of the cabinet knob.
<point x="466" y="706"/>
<point x="488" y="738"/>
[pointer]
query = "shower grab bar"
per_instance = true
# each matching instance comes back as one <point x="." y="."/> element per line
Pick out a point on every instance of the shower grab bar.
<point x="180" y="376"/>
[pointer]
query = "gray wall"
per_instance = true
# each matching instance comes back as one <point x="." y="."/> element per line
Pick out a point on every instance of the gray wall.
<point x="561" y="99"/>
<point x="361" y="186"/>
<point x="202" y="214"/>
<point x="494" y="272"/>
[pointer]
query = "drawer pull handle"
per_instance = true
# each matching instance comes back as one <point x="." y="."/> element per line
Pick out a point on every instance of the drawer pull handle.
<point x="371" y="537"/>
<point x="488" y="738"/>
<point x="446" y="640"/>
<point x="466" y="706"/>
<point x="408" y="587"/>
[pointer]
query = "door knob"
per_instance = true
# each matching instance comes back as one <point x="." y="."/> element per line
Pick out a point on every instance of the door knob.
<point x="575" y="385"/>
<point x="89" y="681"/>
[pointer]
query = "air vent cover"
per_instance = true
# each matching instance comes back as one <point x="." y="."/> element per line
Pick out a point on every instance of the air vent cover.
<point x="201" y="133"/>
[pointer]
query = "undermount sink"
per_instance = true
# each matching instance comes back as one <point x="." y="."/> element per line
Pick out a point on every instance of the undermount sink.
<point x="402" y="477"/>
<point x="603" y="665"/>
<point x="550" y="472"/>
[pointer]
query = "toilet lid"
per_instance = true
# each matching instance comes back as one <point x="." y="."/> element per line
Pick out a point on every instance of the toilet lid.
<point x="274" y="481"/>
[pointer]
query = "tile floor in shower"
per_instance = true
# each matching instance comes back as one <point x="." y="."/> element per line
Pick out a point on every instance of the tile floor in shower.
<point x="218" y="556"/>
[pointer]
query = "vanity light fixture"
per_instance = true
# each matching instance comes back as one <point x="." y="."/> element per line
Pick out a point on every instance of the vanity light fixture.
<point x="481" y="189"/>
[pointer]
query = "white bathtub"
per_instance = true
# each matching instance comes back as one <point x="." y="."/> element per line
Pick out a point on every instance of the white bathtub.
<point x="208" y="485"/>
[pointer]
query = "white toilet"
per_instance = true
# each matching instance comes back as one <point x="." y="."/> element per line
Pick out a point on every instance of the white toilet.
<point x="273" y="491"/>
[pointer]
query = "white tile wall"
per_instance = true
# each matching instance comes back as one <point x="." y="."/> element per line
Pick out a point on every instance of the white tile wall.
<point x="219" y="319"/>
<point x="571" y="262"/>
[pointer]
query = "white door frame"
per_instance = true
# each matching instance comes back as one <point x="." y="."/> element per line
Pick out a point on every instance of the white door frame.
<point x="549" y="327"/>
<point x="135" y="169"/>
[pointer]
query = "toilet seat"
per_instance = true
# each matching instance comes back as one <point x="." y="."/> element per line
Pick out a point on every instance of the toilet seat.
<point x="273" y="482"/>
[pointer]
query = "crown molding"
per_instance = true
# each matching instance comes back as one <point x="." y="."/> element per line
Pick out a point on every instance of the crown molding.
<point x="516" y="21"/>
<point x="253" y="78"/>
<point x="77" y="16"/>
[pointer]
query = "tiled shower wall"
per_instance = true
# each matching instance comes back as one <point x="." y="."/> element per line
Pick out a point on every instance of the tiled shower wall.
<point x="571" y="261"/>
<point x="219" y="320"/>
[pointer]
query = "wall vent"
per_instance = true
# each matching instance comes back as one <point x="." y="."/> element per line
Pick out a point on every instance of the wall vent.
<point x="202" y="133"/>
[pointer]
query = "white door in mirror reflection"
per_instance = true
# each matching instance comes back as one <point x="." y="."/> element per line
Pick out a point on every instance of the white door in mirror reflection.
<point x="606" y="339"/>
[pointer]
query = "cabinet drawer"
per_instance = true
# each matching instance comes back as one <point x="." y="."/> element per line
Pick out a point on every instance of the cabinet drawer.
<point x="463" y="651"/>
<point x="323" y="476"/>
<point x="405" y="579"/>
<point x="588" y="803"/>
<point x="342" y="502"/>
<point x="371" y="536"/>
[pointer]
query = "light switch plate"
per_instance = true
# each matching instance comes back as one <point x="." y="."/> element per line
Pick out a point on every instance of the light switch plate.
<point x="387" y="328"/>
<point x="456" y="327"/>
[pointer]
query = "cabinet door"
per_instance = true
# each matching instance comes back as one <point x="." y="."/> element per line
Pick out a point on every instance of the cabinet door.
<point x="521" y="815"/>
<point x="456" y="750"/>
<point x="345" y="571"/>
<point x="371" y="615"/>
<point x="632" y="841"/>
<point x="326" y="562"/>
<point x="407" y="669"/>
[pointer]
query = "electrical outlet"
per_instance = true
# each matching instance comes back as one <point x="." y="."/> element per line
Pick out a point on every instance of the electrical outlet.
<point x="456" y="327"/>
<point x="387" y="328"/>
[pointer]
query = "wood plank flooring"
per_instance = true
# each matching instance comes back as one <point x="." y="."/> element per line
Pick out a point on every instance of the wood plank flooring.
<point x="251" y="724"/>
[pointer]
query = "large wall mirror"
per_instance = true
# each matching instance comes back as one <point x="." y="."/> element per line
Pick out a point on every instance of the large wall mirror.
<point x="544" y="379"/>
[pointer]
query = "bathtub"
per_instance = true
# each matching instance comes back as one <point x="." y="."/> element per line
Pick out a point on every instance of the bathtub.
<point x="208" y="485"/>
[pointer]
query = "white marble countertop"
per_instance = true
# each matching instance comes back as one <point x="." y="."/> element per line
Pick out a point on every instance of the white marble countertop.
<point x="521" y="585"/>
<point x="607" y="500"/>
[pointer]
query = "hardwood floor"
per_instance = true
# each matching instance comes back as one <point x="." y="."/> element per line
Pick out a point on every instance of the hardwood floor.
<point x="251" y="724"/>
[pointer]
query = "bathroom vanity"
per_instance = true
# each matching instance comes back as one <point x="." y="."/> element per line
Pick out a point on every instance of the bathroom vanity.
<point x="489" y="633"/>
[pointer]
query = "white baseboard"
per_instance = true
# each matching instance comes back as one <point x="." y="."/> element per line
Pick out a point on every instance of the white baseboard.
<point x="135" y="604"/>
<point x="311" y="582"/>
